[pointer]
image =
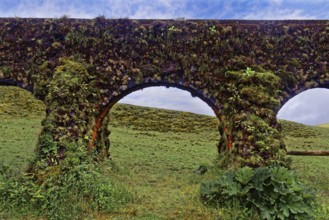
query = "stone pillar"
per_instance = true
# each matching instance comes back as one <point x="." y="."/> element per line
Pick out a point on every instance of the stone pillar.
<point x="70" y="109"/>
<point x="250" y="133"/>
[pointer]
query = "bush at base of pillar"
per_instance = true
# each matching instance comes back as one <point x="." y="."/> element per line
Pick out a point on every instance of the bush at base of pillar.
<point x="272" y="192"/>
<point x="75" y="194"/>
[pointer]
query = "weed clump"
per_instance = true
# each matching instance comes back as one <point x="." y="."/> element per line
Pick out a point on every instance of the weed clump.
<point x="272" y="192"/>
<point x="75" y="194"/>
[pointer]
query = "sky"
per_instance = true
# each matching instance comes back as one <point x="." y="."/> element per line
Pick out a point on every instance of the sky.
<point x="309" y="107"/>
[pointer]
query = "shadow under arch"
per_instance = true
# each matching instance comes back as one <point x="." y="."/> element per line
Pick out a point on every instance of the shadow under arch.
<point x="20" y="84"/>
<point x="103" y="121"/>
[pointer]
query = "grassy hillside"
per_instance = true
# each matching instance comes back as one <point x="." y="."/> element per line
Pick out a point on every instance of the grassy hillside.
<point x="20" y="123"/>
<point x="162" y="120"/>
<point x="16" y="102"/>
<point x="303" y="137"/>
<point x="326" y="125"/>
<point x="314" y="170"/>
<point x="155" y="154"/>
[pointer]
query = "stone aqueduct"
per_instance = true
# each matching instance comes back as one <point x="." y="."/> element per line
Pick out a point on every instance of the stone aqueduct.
<point x="244" y="70"/>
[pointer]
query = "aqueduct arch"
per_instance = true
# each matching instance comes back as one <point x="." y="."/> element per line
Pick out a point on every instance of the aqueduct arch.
<point x="132" y="87"/>
<point x="248" y="69"/>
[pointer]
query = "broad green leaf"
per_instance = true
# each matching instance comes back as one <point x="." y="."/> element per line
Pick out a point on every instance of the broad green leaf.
<point x="244" y="175"/>
<point x="284" y="211"/>
<point x="232" y="189"/>
<point x="282" y="175"/>
<point x="280" y="188"/>
<point x="267" y="213"/>
<point x="261" y="174"/>
<point x="295" y="205"/>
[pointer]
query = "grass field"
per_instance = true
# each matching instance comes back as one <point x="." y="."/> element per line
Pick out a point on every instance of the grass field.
<point x="314" y="170"/>
<point x="155" y="154"/>
<point x="20" y="123"/>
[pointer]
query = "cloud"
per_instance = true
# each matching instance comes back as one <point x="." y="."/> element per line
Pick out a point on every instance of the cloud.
<point x="47" y="9"/>
<point x="168" y="98"/>
<point x="167" y="9"/>
<point x="277" y="10"/>
<point x="138" y="9"/>
<point x="279" y="14"/>
<point x="310" y="107"/>
<point x="276" y="2"/>
<point x="160" y="9"/>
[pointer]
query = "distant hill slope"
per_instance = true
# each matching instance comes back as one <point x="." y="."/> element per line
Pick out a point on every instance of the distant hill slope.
<point x="323" y="125"/>
<point x="303" y="137"/>
<point x="16" y="102"/>
<point x="146" y="118"/>
<point x="297" y="130"/>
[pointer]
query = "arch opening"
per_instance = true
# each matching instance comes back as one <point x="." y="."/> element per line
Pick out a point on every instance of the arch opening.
<point x="107" y="106"/>
<point x="21" y="114"/>
<point x="180" y="93"/>
<point x="160" y="152"/>
<point x="302" y="119"/>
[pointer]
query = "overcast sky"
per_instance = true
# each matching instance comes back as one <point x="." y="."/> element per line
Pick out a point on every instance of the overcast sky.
<point x="310" y="107"/>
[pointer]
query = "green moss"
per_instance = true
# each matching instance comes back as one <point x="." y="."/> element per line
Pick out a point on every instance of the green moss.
<point x="4" y="71"/>
<point x="295" y="63"/>
<point x="311" y="84"/>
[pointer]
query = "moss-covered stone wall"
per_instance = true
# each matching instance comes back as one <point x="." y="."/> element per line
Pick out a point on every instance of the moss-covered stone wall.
<point x="245" y="70"/>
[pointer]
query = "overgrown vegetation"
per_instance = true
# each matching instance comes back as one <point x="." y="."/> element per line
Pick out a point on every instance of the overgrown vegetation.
<point x="76" y="185"/>
<point x="80" y="68"/>
<point x="76" y="194"/>
<point x="272" y="192"/>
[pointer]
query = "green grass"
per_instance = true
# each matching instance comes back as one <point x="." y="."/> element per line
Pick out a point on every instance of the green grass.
<point x="20" y="124"/>
<point x="314" y="170"/>
<point x="159" y="169"/>
<point x="18" y="138"/>
<point x="155" y="153"/>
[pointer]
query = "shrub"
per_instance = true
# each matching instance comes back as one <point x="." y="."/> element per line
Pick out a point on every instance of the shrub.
<point x="75" y="194"/>
<point x="272" y="192"/>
